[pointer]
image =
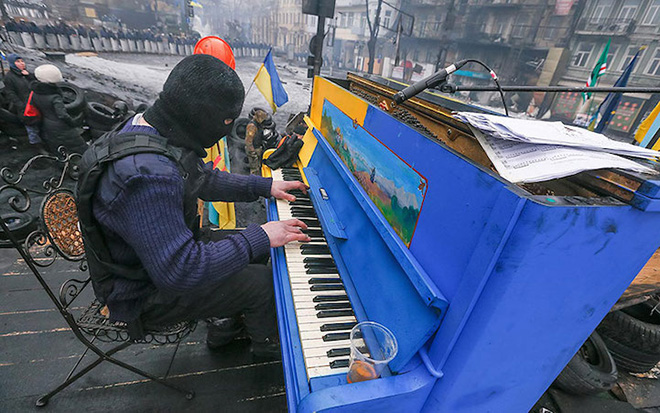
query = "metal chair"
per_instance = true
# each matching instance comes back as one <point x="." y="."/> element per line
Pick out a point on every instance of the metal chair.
<point x="58" y="236"/>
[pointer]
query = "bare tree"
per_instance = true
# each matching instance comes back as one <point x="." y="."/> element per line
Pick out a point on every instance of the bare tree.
<point x="373" y="33"/>
<point x="3" y="10"/>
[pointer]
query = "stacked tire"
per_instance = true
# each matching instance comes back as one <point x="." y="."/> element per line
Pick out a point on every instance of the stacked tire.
<point x="100" y="119"/>
<point x="591" y="371"/>
<point x="632" y="335"/>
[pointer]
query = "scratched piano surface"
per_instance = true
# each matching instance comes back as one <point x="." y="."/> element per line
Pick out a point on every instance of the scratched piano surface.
<point x="37" y="350"/>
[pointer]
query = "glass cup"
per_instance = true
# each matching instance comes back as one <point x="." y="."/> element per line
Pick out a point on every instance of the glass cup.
<point x="372" y="347"/>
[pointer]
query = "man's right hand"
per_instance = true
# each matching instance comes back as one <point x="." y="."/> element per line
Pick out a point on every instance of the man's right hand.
<point x="282" y="232"/>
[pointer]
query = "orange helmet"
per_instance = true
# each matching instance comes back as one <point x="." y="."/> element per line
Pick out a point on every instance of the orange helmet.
<point x="216" y="47"/>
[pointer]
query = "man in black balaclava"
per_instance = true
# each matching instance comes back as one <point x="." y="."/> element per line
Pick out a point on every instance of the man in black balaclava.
<point x="144" y="206"/>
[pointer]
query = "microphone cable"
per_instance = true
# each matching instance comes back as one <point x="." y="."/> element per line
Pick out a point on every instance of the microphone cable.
<point x="493" y="75"/>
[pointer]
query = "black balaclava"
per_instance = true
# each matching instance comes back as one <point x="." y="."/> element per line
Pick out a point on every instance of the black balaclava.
<point x="199" y="94"/>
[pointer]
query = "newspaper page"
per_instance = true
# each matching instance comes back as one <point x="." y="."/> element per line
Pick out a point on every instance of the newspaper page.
<point x="551" y="133"/>
<point x="527" y="162"/>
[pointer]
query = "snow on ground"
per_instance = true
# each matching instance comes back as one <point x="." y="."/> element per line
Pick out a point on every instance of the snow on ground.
<point x="147" y="72"/>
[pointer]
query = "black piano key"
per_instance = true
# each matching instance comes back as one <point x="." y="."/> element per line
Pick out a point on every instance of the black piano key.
<point x="338" y="326"/>
<point x="334" y="313"/>
<point x="302" y="202"/>
<point x="332" y="306"/>
<point x="319" y="260"/>
<point x="314" y="251"/>
<point x="297" y="208"/>
<point x="303" y="215"/>
<point x="338" y="364"/>
<point x="318" y="280"/>
<point x="338" y="352"/>
<point x="336" y="336"/>
<point x="327" y="287"/>
<point x="314" y="247"/>
<point x="313" y="232"/>
<point x="321" y="270"/>
<point x="311" y="222"/>
<point x="320" y="267"/>
<point x="329" y="298"/>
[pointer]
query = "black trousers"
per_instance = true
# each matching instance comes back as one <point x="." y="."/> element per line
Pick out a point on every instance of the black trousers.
<point x="249" y="291"/>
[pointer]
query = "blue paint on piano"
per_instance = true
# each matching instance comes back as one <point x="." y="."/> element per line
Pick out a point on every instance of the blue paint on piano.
<point x="499" y="287"/>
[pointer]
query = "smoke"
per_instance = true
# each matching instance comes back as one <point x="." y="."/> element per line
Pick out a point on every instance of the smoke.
<point x="203" y="29"/>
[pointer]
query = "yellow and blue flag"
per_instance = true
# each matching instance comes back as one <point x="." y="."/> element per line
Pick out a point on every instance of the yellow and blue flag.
<point x="269" y="84"/>
<point x="221" y="214"/>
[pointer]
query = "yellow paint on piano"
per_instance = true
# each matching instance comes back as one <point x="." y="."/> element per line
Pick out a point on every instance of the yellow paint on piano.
<point x="350" y="104"/>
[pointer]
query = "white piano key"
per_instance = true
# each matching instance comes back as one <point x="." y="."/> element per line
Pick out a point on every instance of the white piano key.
<point x="325" y="371"/>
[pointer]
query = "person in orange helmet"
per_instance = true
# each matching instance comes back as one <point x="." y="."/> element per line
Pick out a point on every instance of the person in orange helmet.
<point x="216" y="47"/>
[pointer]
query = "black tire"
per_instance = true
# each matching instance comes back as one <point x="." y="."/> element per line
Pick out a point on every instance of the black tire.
<point x="100" y="116"/>
<point x="254" y="110"/>
<point x="237" y="135"/>
<point x="79" y="119"/>
<point x="633" y="336"/>
<point x="20" y="225"/>
<point x="629" y="359"/>
<point x="591" y="371"/>
<point x="74" y="98"/>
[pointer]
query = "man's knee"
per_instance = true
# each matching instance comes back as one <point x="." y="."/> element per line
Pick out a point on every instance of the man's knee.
<point x="261" y="279"/>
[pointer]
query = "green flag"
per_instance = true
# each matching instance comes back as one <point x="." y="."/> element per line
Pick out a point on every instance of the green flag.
<point x="598" y="71"/>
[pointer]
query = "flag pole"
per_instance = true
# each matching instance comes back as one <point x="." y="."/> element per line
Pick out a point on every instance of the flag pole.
<point x="255" y="76"/>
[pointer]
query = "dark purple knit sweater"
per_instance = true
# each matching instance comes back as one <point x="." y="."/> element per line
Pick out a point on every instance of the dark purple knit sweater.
<point x="139" y="205"/>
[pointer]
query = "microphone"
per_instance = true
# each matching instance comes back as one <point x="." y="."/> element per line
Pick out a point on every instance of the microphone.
<point x="428" y="82"/>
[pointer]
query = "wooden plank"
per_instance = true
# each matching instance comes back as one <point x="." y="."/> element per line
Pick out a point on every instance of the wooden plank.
<point x="645" y="284"/>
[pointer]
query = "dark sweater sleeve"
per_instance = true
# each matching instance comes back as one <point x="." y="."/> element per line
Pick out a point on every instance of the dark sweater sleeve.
<point x="148" y="215"/>
<point x="60" y="111"/>
<point x="223" y="186"/>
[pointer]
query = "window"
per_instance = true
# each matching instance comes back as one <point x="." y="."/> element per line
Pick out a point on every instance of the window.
<point x="349" y="19"/>
<point x="602" y="10"/>
<point x="582" y="54"/>
<point x="552" y="29"/>
<point x="630" y="53"/>
<point x="629" y="9"/>
<point x="422" y="28"/>
<point x="386" y="19"/>
<point x="430" y="55"/>
<point x="436" y="26"/>
<point x="611" y="54"/>
<point x="652" y="16"/>
<point x="653" y="68"/>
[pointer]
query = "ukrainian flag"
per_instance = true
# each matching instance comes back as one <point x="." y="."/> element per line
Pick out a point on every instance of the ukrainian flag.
<point x="221" y="214"/>
<point x="269" y="84"/>
<point x="648" y="133"/>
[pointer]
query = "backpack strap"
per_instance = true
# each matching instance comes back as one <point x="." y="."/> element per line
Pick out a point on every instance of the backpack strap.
<point x="109" y="148"/>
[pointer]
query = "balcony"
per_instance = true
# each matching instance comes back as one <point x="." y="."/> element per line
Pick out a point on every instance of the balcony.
<point x="611" y="27"/>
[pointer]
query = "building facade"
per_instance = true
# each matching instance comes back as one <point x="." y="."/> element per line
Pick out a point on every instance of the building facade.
<point x="631" y="26"/>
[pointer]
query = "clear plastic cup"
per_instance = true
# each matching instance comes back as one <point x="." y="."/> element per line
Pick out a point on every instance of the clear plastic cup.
<point x="372" y="347"/>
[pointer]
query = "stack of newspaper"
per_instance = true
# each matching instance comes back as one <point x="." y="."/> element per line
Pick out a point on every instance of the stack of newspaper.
<point x="525" y="150"/>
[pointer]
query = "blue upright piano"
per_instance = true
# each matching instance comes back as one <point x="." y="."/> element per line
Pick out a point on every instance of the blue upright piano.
<point x="489" y="287"/>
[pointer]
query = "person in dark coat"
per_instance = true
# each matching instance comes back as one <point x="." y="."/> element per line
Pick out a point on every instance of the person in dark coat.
<point x="17" y="89"/>
<point x="57" y="127"/>
<point x="145" y="207"/>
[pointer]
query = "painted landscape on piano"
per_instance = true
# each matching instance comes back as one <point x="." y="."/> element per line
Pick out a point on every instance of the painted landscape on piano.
<point x="395" y="187"/>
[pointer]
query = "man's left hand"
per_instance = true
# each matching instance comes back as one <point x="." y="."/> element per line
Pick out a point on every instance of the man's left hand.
<point x="280" y="189"/>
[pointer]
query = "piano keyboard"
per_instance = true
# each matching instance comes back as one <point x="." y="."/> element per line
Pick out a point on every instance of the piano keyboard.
<point x="323" y="310"/>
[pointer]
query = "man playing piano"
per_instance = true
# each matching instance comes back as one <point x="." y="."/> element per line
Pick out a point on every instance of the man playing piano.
<point x="137" y="200"/>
